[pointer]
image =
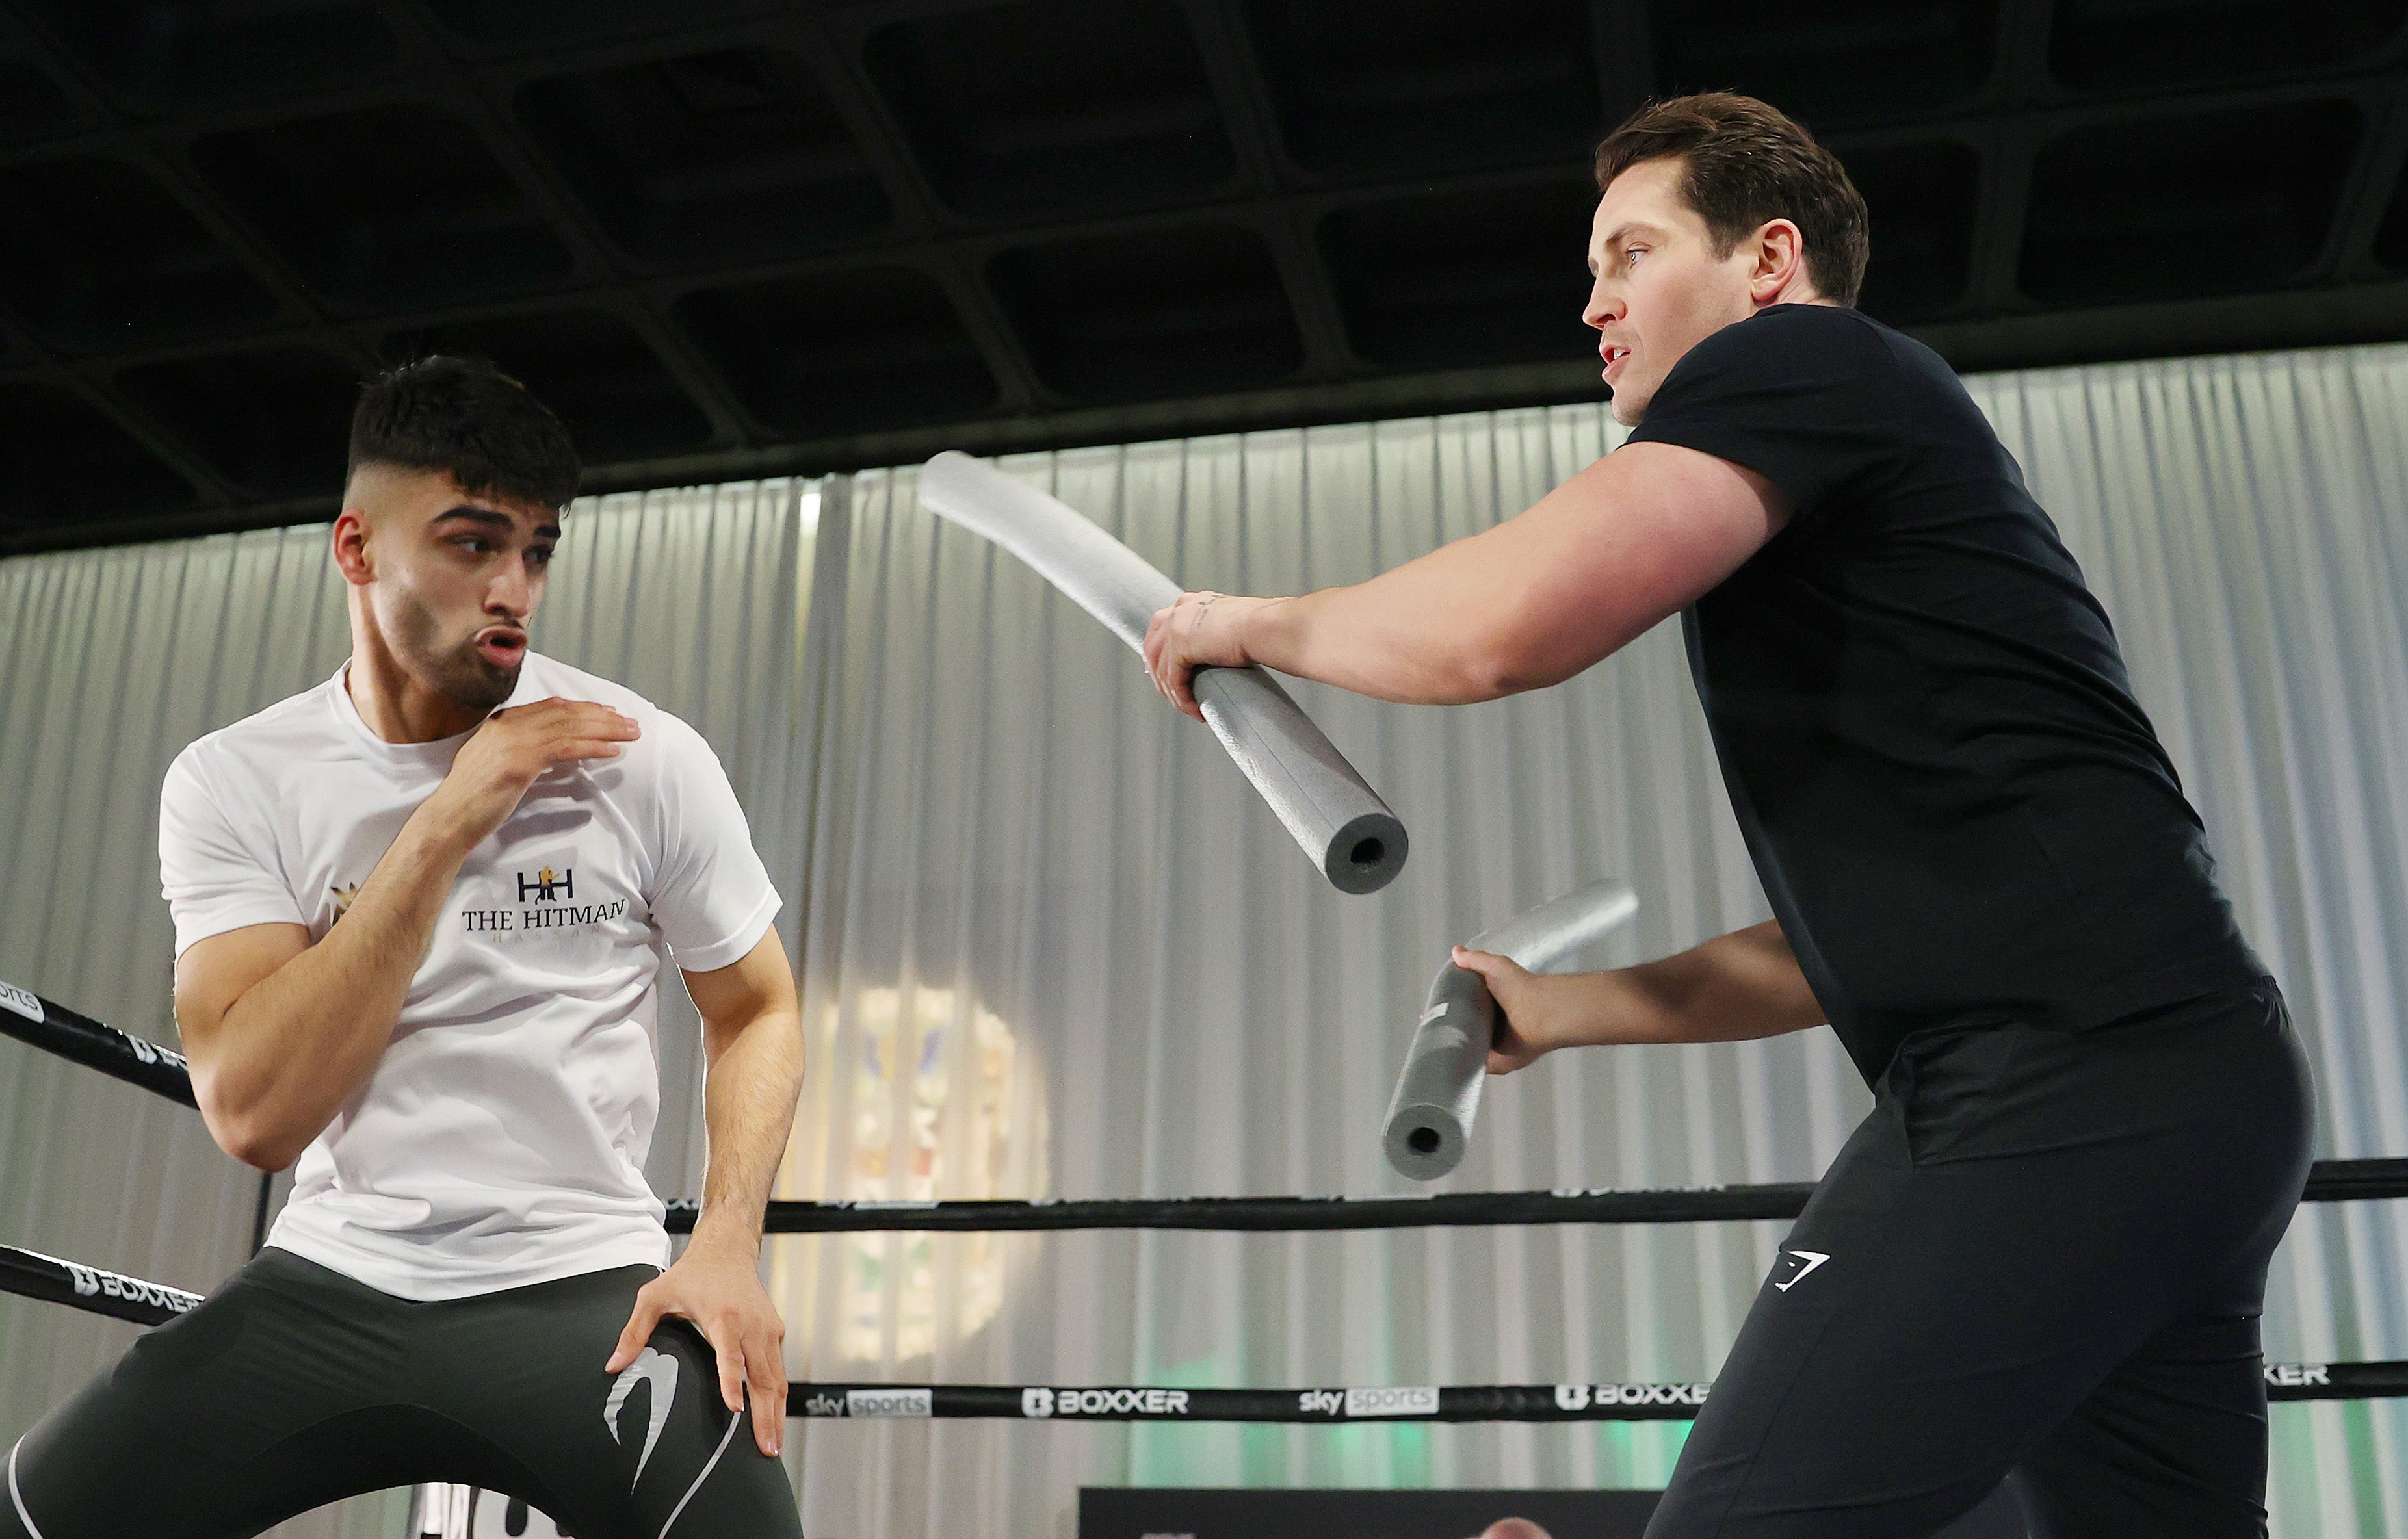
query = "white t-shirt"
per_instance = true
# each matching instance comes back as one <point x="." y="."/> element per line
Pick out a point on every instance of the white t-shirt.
<point x="500" y="1140"/>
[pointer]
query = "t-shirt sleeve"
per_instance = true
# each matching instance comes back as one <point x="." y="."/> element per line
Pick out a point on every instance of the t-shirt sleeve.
<point x="217" y="863"/>
<point x="712" y="896"/>
<point x="1805" y="397"/>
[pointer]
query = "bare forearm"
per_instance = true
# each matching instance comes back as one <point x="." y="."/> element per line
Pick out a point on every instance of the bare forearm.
<point x="749" y="1095"/>
<point x="1407" y="636"/>
<point x="1733" y="988"/>
<point x="297" y="1042"/>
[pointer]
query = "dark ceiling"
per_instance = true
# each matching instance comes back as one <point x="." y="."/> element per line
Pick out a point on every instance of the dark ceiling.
<point x="736" y="237"/>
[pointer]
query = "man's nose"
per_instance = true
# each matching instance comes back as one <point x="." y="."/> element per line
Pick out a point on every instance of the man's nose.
<point x="1602" y="309"/>
<point x="510" y="592"/>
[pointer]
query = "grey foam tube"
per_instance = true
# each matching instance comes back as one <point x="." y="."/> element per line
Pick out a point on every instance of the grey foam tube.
<point x="1437" y="1092"/>
<point x="1341" y="823"/>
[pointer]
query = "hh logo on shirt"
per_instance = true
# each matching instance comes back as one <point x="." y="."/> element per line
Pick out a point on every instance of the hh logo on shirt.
<point x="547" y="888"/>
<point x="547" y="901"/>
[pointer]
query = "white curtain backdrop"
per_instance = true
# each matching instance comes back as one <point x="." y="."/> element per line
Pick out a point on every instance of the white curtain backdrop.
<point x="111" y="662"/>
<point x="1054" y="947"/>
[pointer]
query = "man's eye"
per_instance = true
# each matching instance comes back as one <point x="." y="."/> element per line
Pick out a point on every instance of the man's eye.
<point x="540" y="555"/>
<point x="1633" y="254"/>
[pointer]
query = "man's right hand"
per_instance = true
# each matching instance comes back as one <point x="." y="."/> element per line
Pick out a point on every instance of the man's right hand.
<point x="1531" y="1015"/>
<point x="505" y="755"/>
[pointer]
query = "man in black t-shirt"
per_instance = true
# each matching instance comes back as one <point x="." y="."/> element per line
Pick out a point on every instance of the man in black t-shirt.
<point x="2044" y="1253"/>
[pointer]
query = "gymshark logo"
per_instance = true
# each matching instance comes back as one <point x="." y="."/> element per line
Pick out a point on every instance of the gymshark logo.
<point x="660" y="1373"/>
<point x="1812" y="1260"/>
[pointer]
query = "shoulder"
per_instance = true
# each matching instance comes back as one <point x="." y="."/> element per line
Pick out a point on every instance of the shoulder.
<point x="1816" y="339"/>
<point x="549" y="678"/>
<point x="668" y="752"/>
<point x="294" y="728"/>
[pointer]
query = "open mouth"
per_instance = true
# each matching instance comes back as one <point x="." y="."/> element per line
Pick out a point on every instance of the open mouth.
<point x="1614" y="353"/>
<point x="501" y="647"/>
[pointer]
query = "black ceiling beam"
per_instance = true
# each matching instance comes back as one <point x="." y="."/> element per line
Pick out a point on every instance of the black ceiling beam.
<point x="1041" y="308"/>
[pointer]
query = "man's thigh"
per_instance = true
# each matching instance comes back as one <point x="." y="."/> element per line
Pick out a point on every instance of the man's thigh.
<point x="649" y="1451"/>
<point x="2171" y="1446"/>
<point x="250" y="1408"/>
<point x="1889" y="1373"/>
<point x="1957" y="1290"/>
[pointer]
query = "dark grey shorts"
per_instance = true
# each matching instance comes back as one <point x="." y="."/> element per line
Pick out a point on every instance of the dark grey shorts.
<point x="293" y="1386"/>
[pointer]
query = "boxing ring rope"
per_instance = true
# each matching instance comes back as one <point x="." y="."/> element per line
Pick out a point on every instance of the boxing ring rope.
<point x="33" y="1275"/>
<point x="2329" y="1181"/>
<point x="53" y="1028"/>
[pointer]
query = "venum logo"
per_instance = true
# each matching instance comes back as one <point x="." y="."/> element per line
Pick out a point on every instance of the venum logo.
<point x="660" y="1373"/>
<point x="344" y="897"/>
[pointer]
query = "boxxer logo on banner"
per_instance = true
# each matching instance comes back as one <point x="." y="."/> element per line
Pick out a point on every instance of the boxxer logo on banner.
<point x="1580" y="1397"/>
<point x="90" y="1281"/>
<point x="1103" y="1402"/>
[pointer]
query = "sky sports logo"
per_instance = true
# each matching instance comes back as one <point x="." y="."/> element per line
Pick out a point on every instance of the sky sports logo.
<point x="885" y="1403"/>
<point x="1414" y="1400"/>
<point x="23" y="1002"/>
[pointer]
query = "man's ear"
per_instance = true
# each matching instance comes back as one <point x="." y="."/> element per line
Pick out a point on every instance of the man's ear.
<point x="350" y="549"/>
<point x="1780" y="259"/>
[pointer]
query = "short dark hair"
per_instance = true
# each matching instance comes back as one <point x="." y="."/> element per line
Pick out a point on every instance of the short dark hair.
<point x="1745" y="165"/>
<point x="465" y="417"/>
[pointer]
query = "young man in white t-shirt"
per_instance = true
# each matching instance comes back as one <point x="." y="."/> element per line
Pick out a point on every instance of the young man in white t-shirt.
<point x="420" y="915"/>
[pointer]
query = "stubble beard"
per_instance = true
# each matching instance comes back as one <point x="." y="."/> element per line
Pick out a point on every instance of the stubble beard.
<point x="458" y="673"/>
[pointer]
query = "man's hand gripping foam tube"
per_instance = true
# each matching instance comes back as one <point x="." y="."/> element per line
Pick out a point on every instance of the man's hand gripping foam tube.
<point x="1343" y="826"/>
<point x="1437" y="1094"/>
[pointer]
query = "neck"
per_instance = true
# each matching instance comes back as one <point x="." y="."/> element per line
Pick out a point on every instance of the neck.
<point x="1794" y="294"/>
<point x="391" y="701"/>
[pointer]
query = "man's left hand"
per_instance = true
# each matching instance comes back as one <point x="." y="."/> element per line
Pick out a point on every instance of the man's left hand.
<point x="720" y="1293"/>
<point x="1200" y="629"/>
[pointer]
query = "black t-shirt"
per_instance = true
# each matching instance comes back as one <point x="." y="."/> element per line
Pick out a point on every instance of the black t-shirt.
<point x="1960" y="812"/>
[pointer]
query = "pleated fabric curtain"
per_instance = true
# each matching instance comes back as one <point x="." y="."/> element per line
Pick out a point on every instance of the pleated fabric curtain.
<point x="111" y="662"/>
<point x="1055" y="948"/>
<point x="2245" y="521"/>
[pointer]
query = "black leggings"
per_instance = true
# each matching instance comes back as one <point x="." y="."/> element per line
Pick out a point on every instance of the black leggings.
<point x="2045" y="1253"/>
<point x="293" y="1386"/>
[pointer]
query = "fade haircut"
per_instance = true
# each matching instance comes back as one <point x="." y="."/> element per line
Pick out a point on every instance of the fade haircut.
<point x="464" y="417"/>
<point x="1743" y="165"/>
